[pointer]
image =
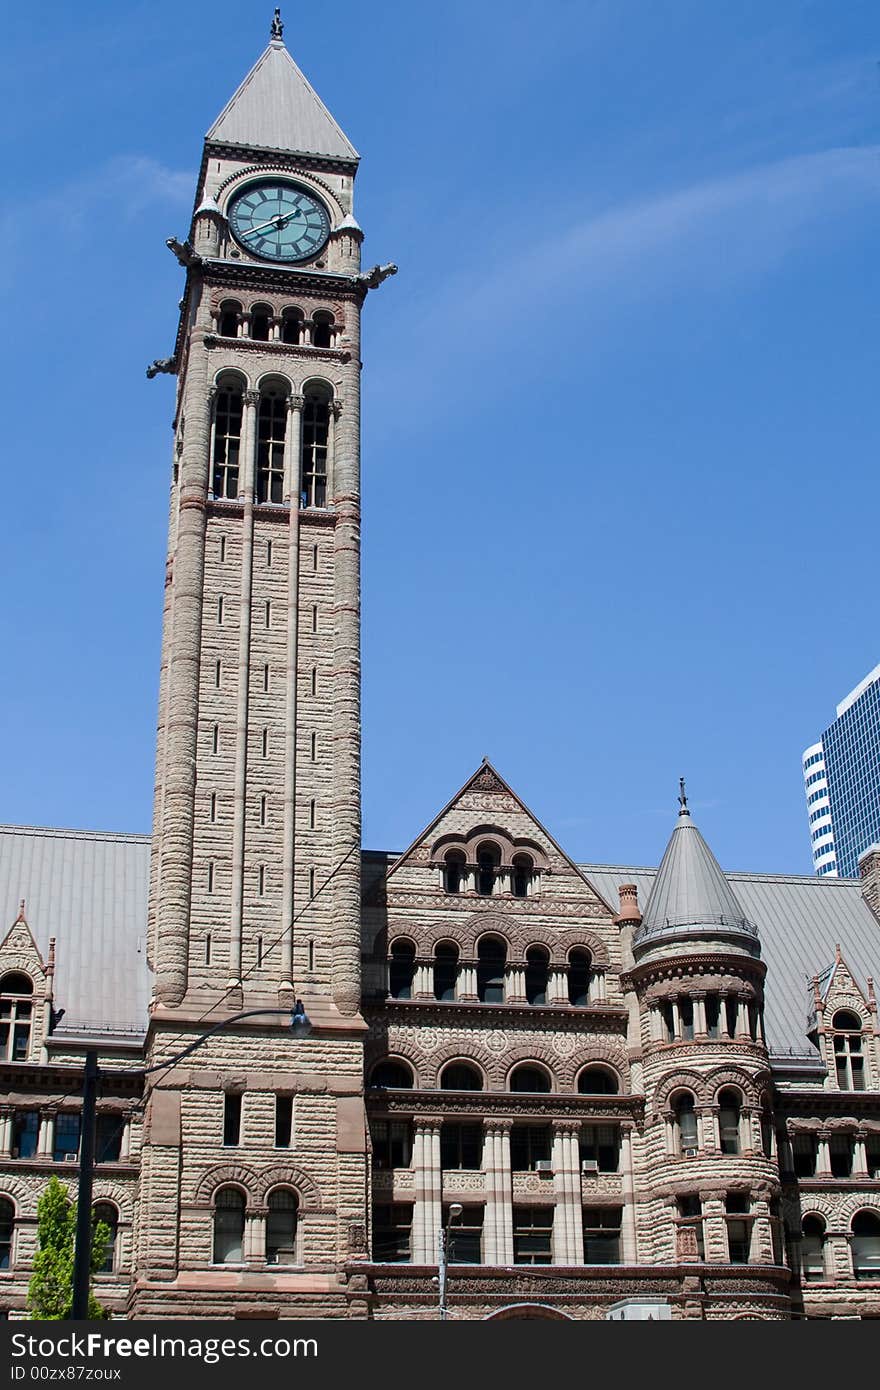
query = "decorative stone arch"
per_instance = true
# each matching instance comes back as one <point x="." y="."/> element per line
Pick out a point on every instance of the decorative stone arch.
<point x="121" y="1197"/>
<point x="743" y="1081"/>
<point x="846" y="1003"/>
<point x="537" y="1056"/>
<point x="523" y="845"/>
<point x="467" y="1052"/>
<point x="490" y="835"/>
<point x="452" y="839"/>
<point x="454" y="936"/>
<point x="600" y="957"/>
<point x="853" y="1203"/>
<point x="279" y="379"/>
<point x="229" y="374"/>
<point x="490" y="925"/>
<point x="601" y="1057"/>
<point x="403" y="937"/>
<point x="227" y="1175"/>
<point x="524" y="937"/>
<point x="319" y="384"/>
<point x="682" y="1080"/>
<point x="293" y="310"/>
<point x="374" y="1058"/>
<point x="288" y="1175"/>
<point x="240" y="177"/>
<point x="528" y="1310"/>
<point x="826" y="1209"/>
<point x="19" y="1194"/>
<point x="16" y="965"/>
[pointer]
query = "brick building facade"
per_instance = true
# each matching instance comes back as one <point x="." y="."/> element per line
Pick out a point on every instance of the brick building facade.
<point x="596" y="1085"/>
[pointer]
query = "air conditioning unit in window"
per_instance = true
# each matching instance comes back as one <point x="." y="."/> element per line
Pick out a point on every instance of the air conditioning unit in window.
<point x="544" y="1165"/>
<point x="589" y="1165"/>
<point x="689" y="1153"/>
<point x="71" y="1158"/>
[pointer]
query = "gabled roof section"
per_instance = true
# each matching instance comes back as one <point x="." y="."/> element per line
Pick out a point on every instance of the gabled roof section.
<point x="488" y="779"/>
<point x="20" y="938"/>
<point x="690" y="892"/>
<point x="276" y="108"/>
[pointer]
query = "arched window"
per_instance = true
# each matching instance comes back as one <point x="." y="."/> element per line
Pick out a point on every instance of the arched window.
<point x="866" y="1245"/>
<point x="728" y="1121"/>
<point x="454" y="871"/>
<point x="261" y="322"/>
<point x="685" y="1120"/>
<point x="401" y="970"/>
<point x="291" y="326"/>
<point x="16" y="1016"/>
<point x="491" y="961"/>
<point x="228" y="1226"/>
<point x="281" y="1222"/>
<point x="322" y="329"/>
<point x="230" y="313"/>
<point x="315" y="446"/>
<point x="7" y="1226"/>
<point x="537" y="974"/>
<point x="460" y="1076"/>
<point x="579" y="978"/>
<point x="597" y="1081"/>
<point x="271" y="432"/>
<point x="849" y="1059"/>
<point x="488" y="861"/>
<point x="529" y="1078"/>
<point x="392" y="1076"/>
<point x="107" y="1212"/>
<point x="227" y="440"/>
<point x="812" y="1249"/>
<point x="445" y="970"/>
<point x="523" y="871"/>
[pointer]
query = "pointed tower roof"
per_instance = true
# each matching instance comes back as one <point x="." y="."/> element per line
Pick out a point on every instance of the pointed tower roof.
<point x="275" y="108"/>
<point x="690" y="895"/>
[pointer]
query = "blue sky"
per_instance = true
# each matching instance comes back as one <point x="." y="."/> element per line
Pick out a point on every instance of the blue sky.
<point x="620" y="420"/>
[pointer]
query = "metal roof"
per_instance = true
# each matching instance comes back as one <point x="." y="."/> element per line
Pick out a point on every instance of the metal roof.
<point x="276" y="108"/>
<point x="89" y="891"/>
<point x="800" y="921"/>
<point x="689" y="891"/>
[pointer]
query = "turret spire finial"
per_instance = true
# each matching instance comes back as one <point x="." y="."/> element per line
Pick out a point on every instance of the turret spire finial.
<point x="682" y="798"/>
<point x="277" y="29"/>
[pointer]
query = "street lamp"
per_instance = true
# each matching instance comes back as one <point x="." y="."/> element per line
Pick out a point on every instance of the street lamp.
<point x="300" y="1027"/>
<point x="455" y="1210"/>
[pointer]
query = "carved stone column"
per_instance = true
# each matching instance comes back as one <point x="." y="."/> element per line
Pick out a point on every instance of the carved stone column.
<point x="761" y="1251"/>
<point x="568" y="1245"/>
<point x="715" y="1231"/>
<point x="515" y="985"/>
<point x="557" y="987"/>
<point x="499" y="1193"/>
<point x="254" y="1244"/>
<point x="699" y="1015"/>
<point x="629" y="1252"/>
<point x="46" y="1141"/>
<point x="427" y="1183"/>
<point x="5" y="1131"/>
<point x="467" y="982"/>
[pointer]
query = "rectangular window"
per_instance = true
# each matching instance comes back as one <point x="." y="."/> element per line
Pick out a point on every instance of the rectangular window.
<point x="211" y="876"/>
<point x="262" y="810"/>
<point x="215" y="739"/>
<point x="314" y="680"/>
<point x="311" y="815"/>
<point x="268" y="612"/>
<point x="231" y="1119"/>
<point x="529" y="1146"/>
<point x="266" y="676"/>
<point x="392" y="1229"/>
<point x="840" y="1147"/>
<point x="739" y="1232"/>
<point x="314" y="747"/>
<point x="311" y="883"/>
<point x="464" y="1240"/>
<point x="602" y="1235"/>
<point x="213" y="806"/>
<point x="314" y="617"/>
<point x="311" y="954"/>
<point x="220" y="611"/>
<point x="600" y="1144"/>
<point x="872" y="1153"/>
<point x="66" y="1136"/>
<point x="218" y="673"/>
<point x="268" y="554"/>
<point x="283" y="1121"/>
<point x="392" y="1143"/>
<point x="690" y="1213"/>
<point x="207" y="948"/>
<point x="261" y="878"/>
<point x="259" y="951"/>
<point x="265" y="743"/>
<point x="805" y="1154"/>
<point x="315" y="558"/>
<point x="222" y="549"/>
<point x="108" y="1138"/>
<point x="532" y="1235"/>
<point x="25" y="1133"/>
<point x="461" y="1146"/>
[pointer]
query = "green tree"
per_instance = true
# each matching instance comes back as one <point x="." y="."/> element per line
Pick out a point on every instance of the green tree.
<point x="50" y="1291"/>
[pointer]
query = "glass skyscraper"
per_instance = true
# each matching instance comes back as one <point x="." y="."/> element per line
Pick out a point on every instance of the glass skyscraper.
<point x="842" y="782"/>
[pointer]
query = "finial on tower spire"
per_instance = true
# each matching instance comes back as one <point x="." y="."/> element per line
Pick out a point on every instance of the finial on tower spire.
<point x="277" y="29"/>
<point x="682" y="798"/>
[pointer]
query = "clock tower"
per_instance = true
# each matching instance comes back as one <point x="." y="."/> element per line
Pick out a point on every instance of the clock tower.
<point x="254" y="1162"/>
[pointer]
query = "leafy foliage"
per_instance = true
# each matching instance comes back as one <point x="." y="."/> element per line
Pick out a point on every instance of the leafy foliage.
<point x="50" y="1291"/>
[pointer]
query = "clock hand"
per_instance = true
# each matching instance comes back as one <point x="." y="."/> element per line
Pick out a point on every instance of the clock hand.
<point x="279" y="222"/>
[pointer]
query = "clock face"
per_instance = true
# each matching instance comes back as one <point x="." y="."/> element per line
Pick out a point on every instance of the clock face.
<point x="279" y="221"/>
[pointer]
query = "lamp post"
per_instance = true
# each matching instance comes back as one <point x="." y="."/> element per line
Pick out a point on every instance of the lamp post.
<point x="455" y="1210"/>
<point x="300" y="1027"/>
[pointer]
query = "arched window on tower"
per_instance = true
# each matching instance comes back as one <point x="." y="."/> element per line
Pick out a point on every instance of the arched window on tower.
<point x="579" y="978"/>
<point x="491" y="962"/>
<point x="228" y="1226"/>
<point x="685" y="1121"/>
<point x="454" y="867"/>
<point x="322" y="329"/>
<point x="523" y="875"/>
<point x="849" y="1060"/>
<point x="227" y="440"/>
<point x="271" y="432"/>
<point x="261" y="322"/>
<point x="16" y="1016"/>
<point x="315" y="447"/>
<point x="445" y="970"/>
<point x="292" y="326"/>
<point x="281" y="1224"/>
<point x="107" y="1212"/>
<point x="229" y="318"/>
<point x="401" y="970"/>
<point x="537" y="974"/>
<point x="728" y="1121"/>
<point x="488" y="863"/>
